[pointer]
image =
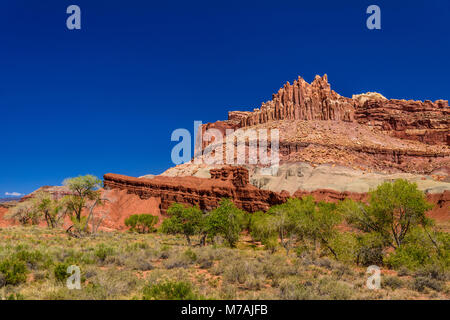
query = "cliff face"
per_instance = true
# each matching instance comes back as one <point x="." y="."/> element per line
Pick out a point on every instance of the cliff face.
<point x="227" y="182"/>
<point x="427" y="121"/>
<point x="300" y="101"/>
<point x="319" y="126"/>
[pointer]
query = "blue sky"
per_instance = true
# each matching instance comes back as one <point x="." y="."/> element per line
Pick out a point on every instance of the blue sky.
<point x="107" y="97"/>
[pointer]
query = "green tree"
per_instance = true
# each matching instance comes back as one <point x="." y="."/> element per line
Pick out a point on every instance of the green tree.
<point x="183" y="220"/>
<point x="48" y="208"/>
<point x="301" y="220"/>
<point x="142" y="223"/>
<point x="84" y="188"/>
<point x="227" y="221"/>
<point x="263" y="229"/>
<point x="392" y="211"/>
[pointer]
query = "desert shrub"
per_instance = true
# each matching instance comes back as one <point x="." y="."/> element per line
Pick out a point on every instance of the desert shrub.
<point x="391" y="282"/>
<point x="31" y="258"/>
<point x="421" y="248"/>
<point x="205" y="258"/>
<point x="236" y="273"/>
<point x="369" y="250"/>
<point x="169" y="290"/>
<point x="436" y="272"/>
<point x="227" y="292"/>
<point x="142" y="223"/>
<point x="15" y="296"/>
<point x="334" y="290"/>
<point x="403" y="271"/>
<point x="180" y="260"/>
<point x="103" y="251"/>
<point x="24" y="213"/>
<point x="276" y="267"/>
<point x="420" y="283"/>
<point x="2" y="280"/>
<point x="240" y="272"/>
<point x="13" y="270"/>
<point x="142" y="265"/>
<point x="345" y="244"/>
<point x="289" y="290"/>
<point x="324" y="263"/>
<point x="60" y="271"/>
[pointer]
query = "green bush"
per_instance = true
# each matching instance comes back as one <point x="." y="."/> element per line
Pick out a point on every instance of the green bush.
<point x="391" y="282"/>
<point x="142" y="223"/>
<point x="169" y="290"/>
<point x="103" y="251"/>
<point x="370" y="249"/>
<point x="31" y="258"/>
<point x="419" y="251"/>
<point x="14" y="271"/>
<point x="60" y="271"/>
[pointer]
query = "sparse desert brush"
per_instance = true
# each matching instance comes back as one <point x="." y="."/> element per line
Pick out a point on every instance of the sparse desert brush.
<point x="169" y="290"/>
<point x="13" y="270"/>
<point x="119" y="265"/>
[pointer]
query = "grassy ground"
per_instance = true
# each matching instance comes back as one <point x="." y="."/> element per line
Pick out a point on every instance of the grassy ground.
<point x="121" y="265"/>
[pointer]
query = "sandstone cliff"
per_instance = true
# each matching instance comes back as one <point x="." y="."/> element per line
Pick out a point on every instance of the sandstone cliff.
<point x="319" y="126"/>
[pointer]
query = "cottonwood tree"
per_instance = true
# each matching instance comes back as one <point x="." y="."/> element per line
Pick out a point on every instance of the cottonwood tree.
<point x="85" y="196"/>
<point x="297" y="220"/>
<point x="184" y="220"/>
<point x="393" y="210"/>
<point x="48" y="208"/>
<point x="226" y="220"/>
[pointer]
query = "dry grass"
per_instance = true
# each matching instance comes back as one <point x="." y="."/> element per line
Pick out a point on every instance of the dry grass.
<point x="118" y="265"/>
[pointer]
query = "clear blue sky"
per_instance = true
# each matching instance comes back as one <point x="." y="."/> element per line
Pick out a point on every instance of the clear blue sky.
<point x="106" y="98"/>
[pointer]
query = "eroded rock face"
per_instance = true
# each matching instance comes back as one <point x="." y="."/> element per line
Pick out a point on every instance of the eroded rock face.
<point x="319" y="126"/>
<point x="227" y="182"/>
<point x="299" y="101"/>
<point x="426" y="121"/>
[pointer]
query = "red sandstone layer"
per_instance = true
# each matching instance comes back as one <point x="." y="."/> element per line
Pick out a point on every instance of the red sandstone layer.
<point x="317" y="125"/>
<point x="228" y="182"/>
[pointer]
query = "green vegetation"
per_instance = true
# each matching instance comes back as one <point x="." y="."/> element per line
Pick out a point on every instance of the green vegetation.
<point x="169" y="290"/>
<point x="142" y="223"/>
<point x="301" y="249"/>
<point x="187" y="221"/>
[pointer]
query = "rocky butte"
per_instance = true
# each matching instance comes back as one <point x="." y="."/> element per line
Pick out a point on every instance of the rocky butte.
<point x="331" y="147"/>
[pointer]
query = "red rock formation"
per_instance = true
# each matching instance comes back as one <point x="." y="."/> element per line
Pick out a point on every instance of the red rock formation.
<point x="426" y="122"/>
<point x="227" y="182"/>
<point x="409" y="136"/>
<point x="56" y="191"/>
<point x="299" y="101"/>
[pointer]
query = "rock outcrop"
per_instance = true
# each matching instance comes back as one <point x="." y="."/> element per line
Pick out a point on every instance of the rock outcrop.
<point x="426" y="121"/>
<point x="300" y="101"/>
<point x="226" y="182"/>
<point x="319" y="126"/>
